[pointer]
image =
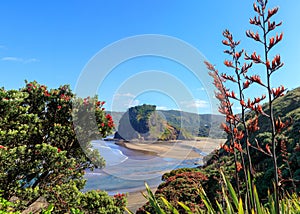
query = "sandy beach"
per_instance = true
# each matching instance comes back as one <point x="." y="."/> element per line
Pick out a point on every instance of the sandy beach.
<point x="176" y="149"/>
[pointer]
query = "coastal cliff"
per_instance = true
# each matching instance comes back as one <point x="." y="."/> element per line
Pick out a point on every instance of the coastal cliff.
<point x="145" y="123"/>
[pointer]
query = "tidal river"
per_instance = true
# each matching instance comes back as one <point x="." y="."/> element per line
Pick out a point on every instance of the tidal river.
<point x="126" y="170"/>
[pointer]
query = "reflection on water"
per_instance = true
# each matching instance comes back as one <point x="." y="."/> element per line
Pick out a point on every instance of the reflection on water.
<point x="127" y="170"/>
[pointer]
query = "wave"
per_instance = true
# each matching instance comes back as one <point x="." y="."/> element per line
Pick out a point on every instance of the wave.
<point x="112" y="156"/>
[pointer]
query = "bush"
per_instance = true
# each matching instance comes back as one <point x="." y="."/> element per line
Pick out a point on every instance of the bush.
<point x="45" y="147"/>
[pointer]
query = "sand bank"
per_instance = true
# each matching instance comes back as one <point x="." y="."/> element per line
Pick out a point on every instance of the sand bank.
<point x="176" y="149"/>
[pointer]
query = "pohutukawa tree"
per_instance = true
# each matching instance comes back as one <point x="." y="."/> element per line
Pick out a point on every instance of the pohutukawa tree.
<point x="40" y="154"/>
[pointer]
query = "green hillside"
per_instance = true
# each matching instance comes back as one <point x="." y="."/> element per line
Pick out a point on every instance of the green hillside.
<point x="191" y="124"/>
<point x="145" y="123"/>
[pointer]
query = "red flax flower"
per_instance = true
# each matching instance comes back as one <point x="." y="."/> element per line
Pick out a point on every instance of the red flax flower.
<point x="253" y="35"/>
<point x="272" y="12"/>
<point x="268" y="149"/>
<point x="279" y="125"/>
<point x="278" y="92"/>
<point x="238" y="146"/>
<point x="255" y="78"/>
<point x="225" y="42"/>
<point x="209" y="66"/>
<point x="276" y="62"/>
<point x="258" y="109"/>
<point x="228" y="63"/>
<point x="239" y="166"/>
<point x="258" y="99"/>
<point x="225" y="128"/>
<point x="253" y="125"/>
<point x="246" y="67"/>
<point x="254" y="57"/>
<point x="239" y="135"/>
<point x="228" y="77"/>
<point x="232" y="94"/>
<point x="256" y="9"/>
<point x="226" y="148"/>
<point x="255" y="21"/>
<point x="246" y="84"/>
<point x="242" y="102"/>
<point x="237" y="55"/>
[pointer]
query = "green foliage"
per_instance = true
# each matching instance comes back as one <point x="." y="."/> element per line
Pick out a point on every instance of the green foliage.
<point x="290" y="204"/>
<point x="182" y="186"/>
<point x="6" y="206"/>
<point x="45" y="147"/>
<point x="145" y="123"/>
<point x="99" y="202"/>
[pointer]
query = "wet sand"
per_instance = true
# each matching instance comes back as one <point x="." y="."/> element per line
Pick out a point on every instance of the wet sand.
<point x="175" y="149"/>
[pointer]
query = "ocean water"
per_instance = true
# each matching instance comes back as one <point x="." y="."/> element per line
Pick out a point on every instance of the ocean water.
<point x="127" y="170"/>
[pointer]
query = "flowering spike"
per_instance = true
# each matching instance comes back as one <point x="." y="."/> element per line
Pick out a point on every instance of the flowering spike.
<point x="255" y="78"/>
<point x="228" y="63"/>
<point x="276" y="63"/>
<point x="268" y="149"/>
<point x="225" y="128"/>
<point x="246" y="67"/>
<point x="253" y="35"/>
<point x="238" y="146"/>
<point x="225" y="42"/>
<point x="255" y="58"/>
<point x="253" y="125"/>
<point x="242" y="102"/>
<point x="272" y="12"/>
<point x="246" y="84"/>
<point x="228" y="77"/>
<point x="239" y="166"/>
<point x="256" y="8"/>
<point x="278" y="92"/>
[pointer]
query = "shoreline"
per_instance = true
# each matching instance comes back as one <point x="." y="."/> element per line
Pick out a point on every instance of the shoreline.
<point x="182" y="150"/>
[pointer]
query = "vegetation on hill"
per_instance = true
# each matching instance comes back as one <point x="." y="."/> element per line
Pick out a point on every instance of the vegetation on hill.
<point x="201" y="125"/>
<point x="166" y="124"/>
<point x="145" y="123"/>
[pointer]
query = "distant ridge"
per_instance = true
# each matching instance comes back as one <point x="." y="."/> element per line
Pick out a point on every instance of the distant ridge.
<point x="193" y="124"/>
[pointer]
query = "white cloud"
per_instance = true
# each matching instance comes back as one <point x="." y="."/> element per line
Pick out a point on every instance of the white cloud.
<point x="134" y="103"/>
<point x="123" y="101"/>
<point x="117" y="96"/>
<point x="197" y="103"/>
<point x="18" y="59"/>
<point x="162" y="108"/>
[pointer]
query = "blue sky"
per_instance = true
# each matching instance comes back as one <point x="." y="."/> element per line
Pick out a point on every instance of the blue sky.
<point x="53" y="41"/>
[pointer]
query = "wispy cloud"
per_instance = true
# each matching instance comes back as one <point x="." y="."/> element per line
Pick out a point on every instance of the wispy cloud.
<point x="162" y="108"/>
<point x="134" y="103"/>
<point x="2" y="47"/>
<point x="18" y="59"/>
<point x="197" y="103"/>
<point x="123" y="101"/>
<point x="119" y="95"/>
